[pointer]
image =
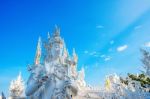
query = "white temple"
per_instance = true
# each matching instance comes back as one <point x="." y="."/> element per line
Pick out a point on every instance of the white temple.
<point x="54" y="75"/>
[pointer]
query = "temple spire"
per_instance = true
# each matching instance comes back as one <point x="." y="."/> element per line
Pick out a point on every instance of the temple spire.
<point x="57" y="31"/>
<point x="38" y="52"/>
<point x="16" y="87"/>
<point x="48" y="35"/>
<point x="75" y="57"/>
<point x="65" y="52"/>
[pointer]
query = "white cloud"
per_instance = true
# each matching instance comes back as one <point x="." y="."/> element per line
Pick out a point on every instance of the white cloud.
<point x="147" y="44"/>
<point x="99" y="26"/>
<point x="112" y="42"/>
<point x="122" y="48"/>
<point x="93" y="53"/>
<point x="86" y="52"/>
<point x="86" y="67"/>
<point x="110" y="49"/>
<point x="102" y="56"/>
<point x="138" y="27"/>
<point x="107" y="58"/>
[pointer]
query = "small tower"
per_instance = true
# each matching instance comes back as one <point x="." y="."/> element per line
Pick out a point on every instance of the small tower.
<point x="80" y="80"/>
<point x="16" y="88"/>
<point x="56" y="39"/>
<point x="65" y="52"/>
<point x="38" y="52"/>
<point x="2" y="96"/>
<point x="75" y="57"/>
<point x="57" y="31"/>
<point x="48" y="35"/>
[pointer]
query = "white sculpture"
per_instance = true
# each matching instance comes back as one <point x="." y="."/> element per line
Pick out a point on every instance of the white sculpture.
<point x="52" y="80"/>
<point x="80" y="81"/>
<point x="16" y="88"/>
<point x="54" y="75"/>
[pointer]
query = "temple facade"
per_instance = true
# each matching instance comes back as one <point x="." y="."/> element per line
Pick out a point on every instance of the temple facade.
<point x="54" y="73"/>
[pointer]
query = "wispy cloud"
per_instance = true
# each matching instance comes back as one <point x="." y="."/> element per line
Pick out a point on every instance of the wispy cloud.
<point x="93" y="53"/>
<point x="122" y="48"/>
<point x="112" y="42"/>
<point x="147" y="44"/>
<point x="102" y="56"/>
<point x="98" y="55"/>
<point x="86" y="52"/>
<point x="110" y="49"/>
<point x="86" y="67"/>
<point x="99" y="26"/>
<point x="107" y="58"/>
<point x="137" y="27"/>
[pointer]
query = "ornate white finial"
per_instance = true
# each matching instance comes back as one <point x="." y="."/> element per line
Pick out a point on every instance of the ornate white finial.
<point x="17" y="87"/>
<point x="2" y="96"/>
<point x="57" y="31"/>
<point x="75" y="57"/>
<point x="19" y="76"/>
<point x="81" y="76"/>
<point x="65" y="51"/>
<point x="38" y="52"/>
<point x="48" y="35"/>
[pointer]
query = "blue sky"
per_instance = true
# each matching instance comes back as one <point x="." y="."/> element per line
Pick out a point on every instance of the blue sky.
<point x="107" y="34"/>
